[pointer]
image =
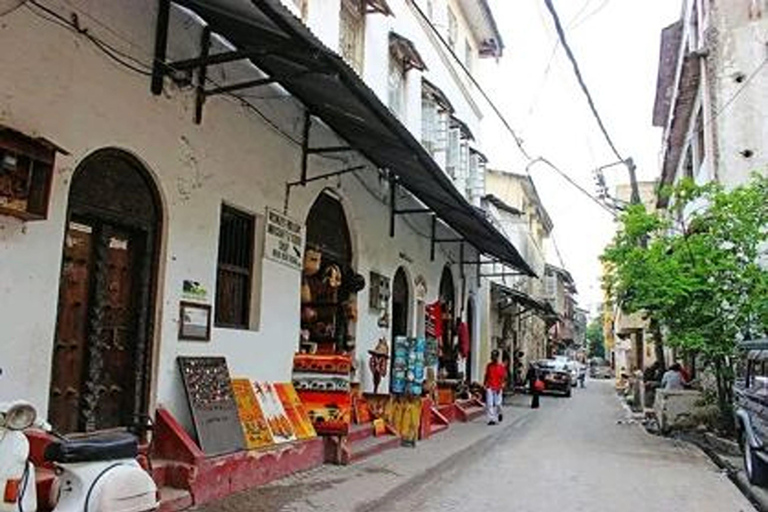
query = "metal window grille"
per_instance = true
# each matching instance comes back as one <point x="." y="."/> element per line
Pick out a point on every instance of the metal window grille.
<point x="235" y="266"/>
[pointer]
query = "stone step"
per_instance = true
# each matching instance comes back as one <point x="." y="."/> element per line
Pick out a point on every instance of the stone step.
<point x="372" y="446"/>
<point x="172" y="499"/>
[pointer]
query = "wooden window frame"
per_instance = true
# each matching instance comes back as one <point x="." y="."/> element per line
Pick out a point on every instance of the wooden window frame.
<point x="245" y="269"/>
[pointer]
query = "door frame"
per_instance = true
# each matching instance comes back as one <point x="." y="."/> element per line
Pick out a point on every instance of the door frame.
<point x="148" y="276"/>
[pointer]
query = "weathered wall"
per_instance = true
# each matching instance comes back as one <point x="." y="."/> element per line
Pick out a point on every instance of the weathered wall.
<point x="57" y="85"/>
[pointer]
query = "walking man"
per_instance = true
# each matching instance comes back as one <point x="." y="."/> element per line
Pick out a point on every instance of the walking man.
<point x="495" y="379"/>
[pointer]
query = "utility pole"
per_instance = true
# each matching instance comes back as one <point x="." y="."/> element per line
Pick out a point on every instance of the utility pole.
<point x="631" y="167"/>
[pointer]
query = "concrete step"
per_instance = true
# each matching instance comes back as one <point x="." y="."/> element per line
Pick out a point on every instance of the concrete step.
<point x="172" y="499"/>
<point x="372" y="446"/>
<point x="360" y="432"/>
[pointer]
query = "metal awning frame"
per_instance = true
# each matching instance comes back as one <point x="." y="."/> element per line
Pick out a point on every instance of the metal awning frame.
<point x="291" y="44"/>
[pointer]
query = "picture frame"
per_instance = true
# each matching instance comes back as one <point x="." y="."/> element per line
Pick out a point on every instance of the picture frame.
<point x="194" y="321"/>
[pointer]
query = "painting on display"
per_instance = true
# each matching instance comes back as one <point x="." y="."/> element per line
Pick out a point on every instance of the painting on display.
<point x="408" y="366"/>
<point x="323" y="385"/>
<point x="212" y="404"/>
<point x="279" y="424"/>
<point x="399" y="365"/>
<point x="255" y="426"/>
<point x="295" y="410"/>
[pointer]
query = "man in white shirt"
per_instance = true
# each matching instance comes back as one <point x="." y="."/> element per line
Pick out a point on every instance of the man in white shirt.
<point x="672" y="378"/>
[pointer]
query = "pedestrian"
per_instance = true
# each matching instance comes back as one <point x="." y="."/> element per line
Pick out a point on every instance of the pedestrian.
<point x="495" y="379"/>
<point x="532" y="378"/>
<point x="672" y="379"/>
<point x="582" y="375"/>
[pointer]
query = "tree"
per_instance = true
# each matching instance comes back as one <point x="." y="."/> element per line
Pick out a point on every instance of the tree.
<point x="595" y="339"/>
<point x="695" y="272"/>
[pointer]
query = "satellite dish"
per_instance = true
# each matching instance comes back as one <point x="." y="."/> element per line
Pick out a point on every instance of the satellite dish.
<point x="7" y="6"/>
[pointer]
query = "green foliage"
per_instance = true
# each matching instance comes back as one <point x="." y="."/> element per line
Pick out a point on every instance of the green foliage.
<point x="595" y="340"/>
<point x="696" y="269"/>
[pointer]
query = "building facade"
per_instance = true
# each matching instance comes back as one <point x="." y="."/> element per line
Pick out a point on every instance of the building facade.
<point x="194" y="176"/>
<point x="708" y="98"/>
<point x="518" y="316"/>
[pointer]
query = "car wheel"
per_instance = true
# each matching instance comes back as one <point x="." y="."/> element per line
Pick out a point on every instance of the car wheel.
<point x="755" y="468"/>
<point x="568" y="393"/>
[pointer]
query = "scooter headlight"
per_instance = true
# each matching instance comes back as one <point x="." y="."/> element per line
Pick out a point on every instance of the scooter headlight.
<point x="19" y="416"/>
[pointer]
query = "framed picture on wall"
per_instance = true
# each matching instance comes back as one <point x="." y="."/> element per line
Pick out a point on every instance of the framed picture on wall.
<point x="194" y="321"/>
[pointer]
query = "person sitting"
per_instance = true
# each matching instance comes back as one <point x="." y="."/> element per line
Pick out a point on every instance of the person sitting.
<point x="672" y="379"/>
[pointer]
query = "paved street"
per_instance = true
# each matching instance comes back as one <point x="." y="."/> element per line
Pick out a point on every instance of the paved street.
<point x="571" y="455"/>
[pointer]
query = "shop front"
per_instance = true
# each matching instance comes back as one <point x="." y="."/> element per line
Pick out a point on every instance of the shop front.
<point x="239" y="293"/>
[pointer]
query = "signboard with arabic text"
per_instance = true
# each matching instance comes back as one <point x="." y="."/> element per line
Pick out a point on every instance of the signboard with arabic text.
<point x="284" y="240"/>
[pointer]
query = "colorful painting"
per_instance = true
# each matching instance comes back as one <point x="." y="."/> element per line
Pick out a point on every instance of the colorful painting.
<point x="322" y="363"/>
<point x="362" y="411"/>
<point x="399" y="365"/>
<point x="279" y="424"/>
<point x="330" y="412"/>
<point x="323" y="385"/>
<point x="294" y="408"/>
<point x="255" y="427"/>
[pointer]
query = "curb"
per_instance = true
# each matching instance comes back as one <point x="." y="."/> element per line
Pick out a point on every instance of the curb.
<point x="474" y="451"/>
<point x="730" y="471"/>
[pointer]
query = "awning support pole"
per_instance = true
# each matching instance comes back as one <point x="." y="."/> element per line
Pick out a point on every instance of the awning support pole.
<point x="305" y="146"/>
<point x="202" y="74"/>
<point x="289" y="185"/>
<point x="161" y="45"/>
<point x="432" y="238"/>
<point x="392" y="206"/>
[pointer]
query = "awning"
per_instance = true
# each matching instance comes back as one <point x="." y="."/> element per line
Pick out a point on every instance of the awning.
<point x="279" y="44"/>
<point x="405" y="51"/>
<point x="542" y="308"/>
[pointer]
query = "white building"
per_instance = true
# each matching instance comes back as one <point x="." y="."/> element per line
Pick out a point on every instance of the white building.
<point x="144" y="208"/>
<point x="710" y="98"/>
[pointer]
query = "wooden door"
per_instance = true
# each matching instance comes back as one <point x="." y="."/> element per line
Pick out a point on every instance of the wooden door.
<point x="72" y="332"/>
<point x="95" y="377"/>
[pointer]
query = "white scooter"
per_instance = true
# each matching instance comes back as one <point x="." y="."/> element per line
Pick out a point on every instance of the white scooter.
<point x="94" y="474"/>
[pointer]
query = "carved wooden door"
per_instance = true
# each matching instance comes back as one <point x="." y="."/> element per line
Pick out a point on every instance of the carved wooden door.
<point x="95" y="378"/>
<point x="72" y="331"/>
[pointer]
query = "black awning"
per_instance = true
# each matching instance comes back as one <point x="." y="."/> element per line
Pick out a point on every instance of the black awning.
<point x="279" y="44"/>
<point x="542" y="308"/>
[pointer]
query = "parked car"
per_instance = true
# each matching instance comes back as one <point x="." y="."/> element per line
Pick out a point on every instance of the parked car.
<point x="600" y="372"/>
<point x="556" y="378"/>
<point x="751" y="410"/>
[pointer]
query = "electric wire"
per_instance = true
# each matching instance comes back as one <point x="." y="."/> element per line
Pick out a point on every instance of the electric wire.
<point x="580" y="78"/>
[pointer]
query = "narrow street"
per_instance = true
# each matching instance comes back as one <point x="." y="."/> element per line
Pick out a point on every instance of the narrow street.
<point x="573" y="454"/>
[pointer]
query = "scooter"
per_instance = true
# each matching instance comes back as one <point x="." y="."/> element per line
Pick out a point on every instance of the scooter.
<point x="94" y="474"/>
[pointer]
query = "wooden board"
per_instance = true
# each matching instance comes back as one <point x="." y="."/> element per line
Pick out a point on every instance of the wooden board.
<point x="212" y="404"/>
<point x="252" y="420"/>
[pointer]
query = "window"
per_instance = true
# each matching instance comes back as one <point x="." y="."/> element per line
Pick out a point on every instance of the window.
<point x="429" y="123"/>
<point x="700" y="149"/>
<point x="688" y="165"/>
<point x="453" y="30"/>
<point x="352" y="33"/>
<point x="468" y="55"/>
<point x="396" y="86"/>
<point x="235" y="268"/>
<point x="454" y="145"/>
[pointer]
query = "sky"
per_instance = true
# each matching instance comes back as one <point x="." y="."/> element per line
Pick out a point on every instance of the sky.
<point x="616" y="43"/>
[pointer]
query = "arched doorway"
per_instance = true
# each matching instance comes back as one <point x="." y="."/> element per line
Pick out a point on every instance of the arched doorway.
<point x="103" y="345"/>
<point x="448" y="364"/>
<point x="328" y="282"/>
<point x="400" y="310"/>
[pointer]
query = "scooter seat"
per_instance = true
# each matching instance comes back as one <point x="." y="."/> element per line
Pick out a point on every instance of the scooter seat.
<point x="92" y="449"/>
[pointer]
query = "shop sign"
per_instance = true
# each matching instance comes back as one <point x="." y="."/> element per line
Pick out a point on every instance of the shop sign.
<point x="283" y="240"/>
